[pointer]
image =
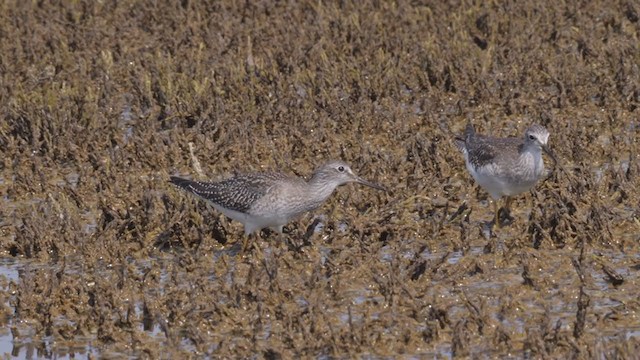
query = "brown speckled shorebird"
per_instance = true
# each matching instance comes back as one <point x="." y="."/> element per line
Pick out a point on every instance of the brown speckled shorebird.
<point x="271" y="199"/>
<point x="505" y="166"/>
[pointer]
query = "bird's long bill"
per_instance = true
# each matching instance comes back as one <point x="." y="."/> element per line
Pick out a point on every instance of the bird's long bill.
<point x="362" y="181"/>
<point x="553" y="157"/>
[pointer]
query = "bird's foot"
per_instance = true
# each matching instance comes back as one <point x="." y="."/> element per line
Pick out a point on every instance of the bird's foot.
<point x="504" y="217"/>
<point x="245" y="245"/>
<point x="487" y="230"/>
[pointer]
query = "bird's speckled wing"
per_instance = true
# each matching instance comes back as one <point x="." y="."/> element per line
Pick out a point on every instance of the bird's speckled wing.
<point x="482" y="150"/>
<point x="238" y="193"/>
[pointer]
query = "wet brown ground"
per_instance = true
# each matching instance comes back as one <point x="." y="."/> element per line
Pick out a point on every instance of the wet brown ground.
<point x="101" y="257"/>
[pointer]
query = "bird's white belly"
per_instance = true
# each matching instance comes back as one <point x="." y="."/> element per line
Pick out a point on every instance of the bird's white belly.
<point x="274" y="222"/>
<point x="254" y="223"/>
<point x="500" y="183"/>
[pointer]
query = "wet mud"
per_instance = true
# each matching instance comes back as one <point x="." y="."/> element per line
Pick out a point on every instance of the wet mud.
<point x="103" y="101"/>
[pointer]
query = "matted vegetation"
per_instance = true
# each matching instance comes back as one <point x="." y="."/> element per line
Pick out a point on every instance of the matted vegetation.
<point x="101" y="99"/>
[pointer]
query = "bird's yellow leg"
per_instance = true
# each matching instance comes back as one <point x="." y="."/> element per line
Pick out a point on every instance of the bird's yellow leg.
<point x="245" y="242"/>
<point x="496" y="218"/>
<point x="507" y="205"/>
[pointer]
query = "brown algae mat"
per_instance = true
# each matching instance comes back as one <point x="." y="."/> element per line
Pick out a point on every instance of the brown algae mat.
<point x="102" y="101"/>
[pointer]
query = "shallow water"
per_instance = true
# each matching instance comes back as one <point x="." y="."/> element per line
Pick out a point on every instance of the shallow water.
<point x="557" y="304"/>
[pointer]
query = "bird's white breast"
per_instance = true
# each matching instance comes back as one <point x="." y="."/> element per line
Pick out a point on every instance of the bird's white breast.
<point x="500" y="179"/>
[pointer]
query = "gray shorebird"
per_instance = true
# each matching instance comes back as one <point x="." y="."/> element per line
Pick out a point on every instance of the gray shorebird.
<point x="271" y="199"/>
<point x="505" y="166"/>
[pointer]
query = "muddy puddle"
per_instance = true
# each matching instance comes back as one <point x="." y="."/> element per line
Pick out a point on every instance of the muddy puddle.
<point x="102" y="101"/>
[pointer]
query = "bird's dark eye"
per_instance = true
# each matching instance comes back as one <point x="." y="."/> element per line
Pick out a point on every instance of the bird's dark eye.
<point x="531" y="137"/>
<point x="341" y="168"/>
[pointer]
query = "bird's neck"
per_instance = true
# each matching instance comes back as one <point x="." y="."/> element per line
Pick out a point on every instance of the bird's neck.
<point x="531" y="149"/>
<point x="319" y="189"/>
<point x="531" y="160"/>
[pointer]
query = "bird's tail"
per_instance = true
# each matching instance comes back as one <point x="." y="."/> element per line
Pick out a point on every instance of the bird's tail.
<point x="461" y="141"/>
<point x="180" y="182"/>
<point x="469" y="131"/>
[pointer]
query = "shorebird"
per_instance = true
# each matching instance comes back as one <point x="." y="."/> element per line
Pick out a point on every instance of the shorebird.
<point x="505" y="166"/>
<point x="272" y="199"/>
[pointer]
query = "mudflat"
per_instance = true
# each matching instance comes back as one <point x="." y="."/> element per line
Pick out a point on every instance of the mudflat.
<point x="101" y="101"/>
